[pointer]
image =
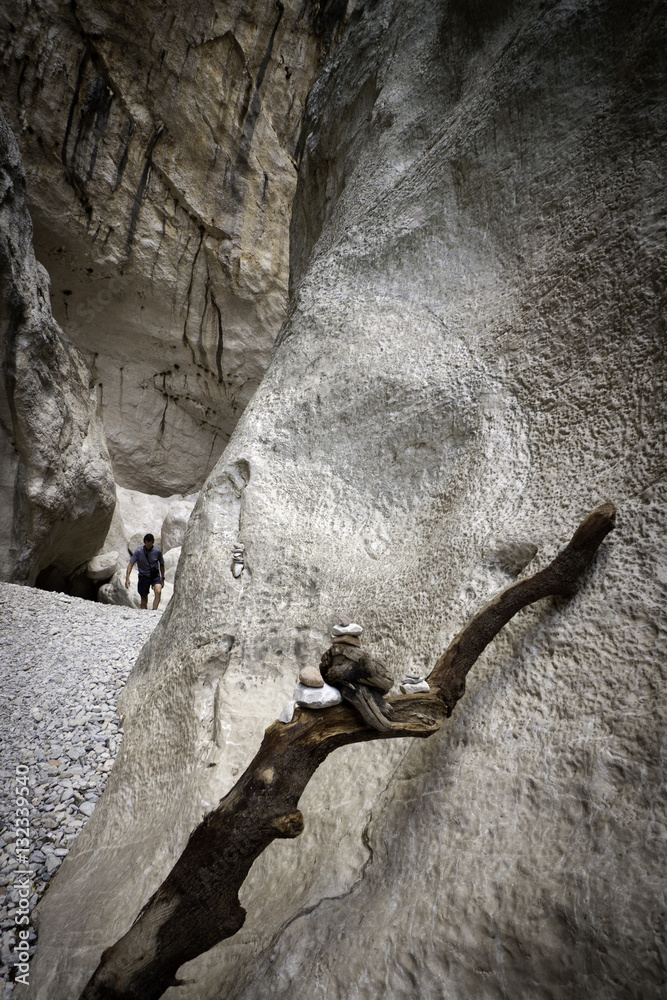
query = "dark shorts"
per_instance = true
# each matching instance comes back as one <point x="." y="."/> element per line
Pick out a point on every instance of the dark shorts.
<point x="145" y="583"/>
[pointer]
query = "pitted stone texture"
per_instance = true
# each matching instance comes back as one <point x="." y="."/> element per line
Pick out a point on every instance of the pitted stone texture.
<point x="161" y="143"/>
<point x="474" y="358"/>
<point x="56" y="484"/>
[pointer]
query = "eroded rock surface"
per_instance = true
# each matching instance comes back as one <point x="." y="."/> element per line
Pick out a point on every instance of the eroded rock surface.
<point x="56" y="486"/>
<point x="161" y="146"/>
<point x="474" y="359"/>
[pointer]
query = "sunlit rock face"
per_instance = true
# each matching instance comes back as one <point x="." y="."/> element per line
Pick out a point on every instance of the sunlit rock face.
<point x="474" y="359"/>
<point x="57" y="492"/>
<point x="160" y="141"/>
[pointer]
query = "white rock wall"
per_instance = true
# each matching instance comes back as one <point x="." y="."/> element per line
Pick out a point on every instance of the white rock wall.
<point x="474" y="359"/>
<point x="56" y="485"/>
<point x="161" y="146"/>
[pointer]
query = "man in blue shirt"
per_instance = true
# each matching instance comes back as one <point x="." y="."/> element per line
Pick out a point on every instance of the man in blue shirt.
<point x="151" y="571"/>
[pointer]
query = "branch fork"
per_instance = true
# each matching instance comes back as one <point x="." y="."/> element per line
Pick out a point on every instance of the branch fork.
<point x="197" y="905"/>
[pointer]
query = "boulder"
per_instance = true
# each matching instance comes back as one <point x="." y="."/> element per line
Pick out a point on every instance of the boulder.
<point x="102" y="566"/>
<point x="115" y="592"/>
<point x="171" y="559"/>
<point x="142" y="514"/>
<point x="174" y="524"/>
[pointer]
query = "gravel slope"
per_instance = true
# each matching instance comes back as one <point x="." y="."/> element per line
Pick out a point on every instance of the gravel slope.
<point x="63" y="662"/>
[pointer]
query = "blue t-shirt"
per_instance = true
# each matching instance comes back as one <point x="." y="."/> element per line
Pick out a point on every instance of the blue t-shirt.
<point x="148" y="561"/>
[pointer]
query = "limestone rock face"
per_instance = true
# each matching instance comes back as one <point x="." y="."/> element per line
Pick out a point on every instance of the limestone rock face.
<point x="174" y="525"/>
<point x="141" y="514"/>
<point x="474" y="359"/>
<point x="161" y="144"/>
<point x="171" y="560"/>
<point x="56" y="485"/>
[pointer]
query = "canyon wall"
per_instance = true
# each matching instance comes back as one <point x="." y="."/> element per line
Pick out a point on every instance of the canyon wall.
<point x="161" y="148"/>
<point x="57" y="493"/>
<point x="474" y="358"/>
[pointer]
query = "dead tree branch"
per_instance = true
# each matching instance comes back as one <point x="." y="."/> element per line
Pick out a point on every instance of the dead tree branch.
<point x="197" y="905"/>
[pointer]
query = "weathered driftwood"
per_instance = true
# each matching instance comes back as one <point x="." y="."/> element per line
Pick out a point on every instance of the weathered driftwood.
<point x="197" y="905"/>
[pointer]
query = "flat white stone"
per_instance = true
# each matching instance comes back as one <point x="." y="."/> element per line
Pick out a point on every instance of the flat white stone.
<point x="421" y="687"/>
<point x="287" y="713"/>
<point x="347" y="629"/>
<point x="237" y="569"/>
<point x="324" y="697"/>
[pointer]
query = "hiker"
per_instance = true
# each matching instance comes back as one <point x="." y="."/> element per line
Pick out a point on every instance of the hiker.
<point x="151" y="571"/>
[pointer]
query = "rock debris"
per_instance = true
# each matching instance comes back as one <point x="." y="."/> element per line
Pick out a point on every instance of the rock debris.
<point x="64" y="661"/>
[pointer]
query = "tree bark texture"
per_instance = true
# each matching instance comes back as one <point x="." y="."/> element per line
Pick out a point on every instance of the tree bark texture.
<point x="197" y="905"/>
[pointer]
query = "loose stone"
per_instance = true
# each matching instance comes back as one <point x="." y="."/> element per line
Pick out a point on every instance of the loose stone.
<point x="287" y="713"/>
<point x="410" y="685"/>
<point x="346" y="640"/>
<point x="311" y="677"/>
<point x="324" y="697"/>
<point x="79" y="656"/>
<point x="350" y="629"/>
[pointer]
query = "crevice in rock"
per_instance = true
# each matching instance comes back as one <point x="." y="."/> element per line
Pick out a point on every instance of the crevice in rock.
<point x="188" y="294"/>
<point x="203" y="360"/>
<point x="220" y="344"/>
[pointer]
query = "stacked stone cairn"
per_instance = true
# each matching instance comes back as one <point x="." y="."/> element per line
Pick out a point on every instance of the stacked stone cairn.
<point x="414" y="684"/>
<point x="312" y="691"/>
<point x="237" y="560"/>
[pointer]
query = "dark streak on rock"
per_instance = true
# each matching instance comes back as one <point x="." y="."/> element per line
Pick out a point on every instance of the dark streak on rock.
<point x="24" y="66"/>
<point x="189" y="293"/>
<point x="75" y="100"/>
<point x="127" y="132"/>
<point x="166" y="404"/>
<point x="203" y="360"/>
<point x="255" y="105"/>
<point x="328" y="15"/>
<point x="94" y="116"/>
<point x="187" y="53"/>
<point x="246" y="100"/>
<point x="220" y="347"/>
<point x="143" y="181"/>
